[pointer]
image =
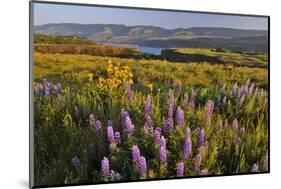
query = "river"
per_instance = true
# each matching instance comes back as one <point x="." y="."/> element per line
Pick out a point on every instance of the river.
<point x="150" y="50"/>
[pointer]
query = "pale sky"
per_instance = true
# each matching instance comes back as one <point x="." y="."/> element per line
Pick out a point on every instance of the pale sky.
<point x="56" y="13"/>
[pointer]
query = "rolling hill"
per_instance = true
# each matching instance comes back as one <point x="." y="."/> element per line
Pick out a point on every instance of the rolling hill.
<point x="151" y="36"/>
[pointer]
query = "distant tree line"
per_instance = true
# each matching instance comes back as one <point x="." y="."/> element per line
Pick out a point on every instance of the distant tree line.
<point x="49" y="39"/>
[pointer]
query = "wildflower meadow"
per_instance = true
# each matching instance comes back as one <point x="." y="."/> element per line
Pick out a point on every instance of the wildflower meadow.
<point x="106" y="119"/>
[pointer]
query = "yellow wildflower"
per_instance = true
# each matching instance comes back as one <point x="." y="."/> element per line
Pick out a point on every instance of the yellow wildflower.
<point x="90" y="75"/>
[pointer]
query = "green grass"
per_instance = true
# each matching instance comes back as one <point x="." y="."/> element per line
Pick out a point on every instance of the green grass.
<point x="60" y="134"/>
<point x="238" y="59"/>
<point x="62" y="68"/>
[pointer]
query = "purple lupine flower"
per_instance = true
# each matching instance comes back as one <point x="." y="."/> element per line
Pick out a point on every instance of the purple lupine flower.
<point x="124" y="115"/>
<point x="168" y="126"/>
<point x="246" y="89"/>
<point x="159" y="129"/>
<point x="240" y="92"/>
<point x="170" y="111"/>
<point x="210" y="106"/>
<point x="117" y="137"/>
<point x="47" y="87"/>
<point x="185" y="102"/>
<point x="180" y="169"/>
<point x="148" y="106"/>
<point x="110" y="134"/>
<point x="47" y="90"/>
<point x="92" y="120"/>
<point x="129" y="127"/>
<point x="149" y="121"/>
<point x="40" y="89"/>
<point x="180" y="117"/>
<point x="235" y="90"/>
<point x="47" y="83"/>
<point x="202" y="150"/>
<point x="105" y="167"/>
<point x="129" y="91"/>
<point x="76" y="161"/>
<point x="201" y="137"/>
<point x="187" y="145"/>
<point x="241" y="101"/>
<point x="171" y="97"/>
<point x="235" y="124"/>
<point x="98" y="125"/>
<point x="222" y="90"/>
<point x="142" y="167"/>
<point x="157" y="136"/>
<point x="110" y="123"/>
<point x="193" y="95"/>
<point x="204" y="172"/>
<point x="162" y="154"/>
<point x="197" y="162"/>
<point x="197" y="130"/>
<point x="256" y="91"/>
<point x="225" y="124"/>
<point x="114" y="176"/>
<point x="163" y="142"/>
<point x="237" y="141"/>
<point x="255" y="168"/>
<point x="136" y="153"/>
<point x="251" y="89"/>
<point x="208" y="112"/>
<point x="191" y="106"/>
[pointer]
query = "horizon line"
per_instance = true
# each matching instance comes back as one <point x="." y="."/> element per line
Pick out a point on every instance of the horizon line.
<point x="153" y="26"/>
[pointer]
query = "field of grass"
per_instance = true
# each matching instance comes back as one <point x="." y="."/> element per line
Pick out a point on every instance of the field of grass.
<point x="234" y="58"/>
<point x="102" y="119"/>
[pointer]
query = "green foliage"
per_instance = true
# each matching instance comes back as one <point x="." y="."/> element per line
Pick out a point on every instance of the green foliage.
<point x="60" y="134"/>
<point x="49" y="39"/>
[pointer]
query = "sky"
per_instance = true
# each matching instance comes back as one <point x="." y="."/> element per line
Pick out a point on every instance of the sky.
<point x="56" y="13"/>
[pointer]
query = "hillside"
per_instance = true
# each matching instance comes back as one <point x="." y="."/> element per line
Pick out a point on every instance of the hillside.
<point x="215" y="56"/>
<point x="246" y="40"/>
<point x="48" y="44"/>
<point x="61" y="39"/>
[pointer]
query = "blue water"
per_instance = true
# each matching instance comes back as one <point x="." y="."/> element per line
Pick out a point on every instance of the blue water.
<point x="150" y="50"/>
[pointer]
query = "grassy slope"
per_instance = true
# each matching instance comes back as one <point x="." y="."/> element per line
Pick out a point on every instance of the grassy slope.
<point x="63" y="68"/>
<point x="250" y="60"/>
<point x="60" y="135"/>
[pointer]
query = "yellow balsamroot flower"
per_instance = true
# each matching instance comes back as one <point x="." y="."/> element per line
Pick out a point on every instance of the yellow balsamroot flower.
<point x="110" y="69"/>
<point x="117" y="75"/>
<point x="90" y="76"/>
<point x="150" y="86"/>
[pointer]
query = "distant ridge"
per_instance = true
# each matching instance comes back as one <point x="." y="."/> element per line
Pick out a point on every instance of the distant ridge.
<point x="209" y="37"/>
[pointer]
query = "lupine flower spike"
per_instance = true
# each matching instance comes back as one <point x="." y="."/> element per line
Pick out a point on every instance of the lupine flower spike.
<point x="180" y="169"/>
<point x="105" y="167"/>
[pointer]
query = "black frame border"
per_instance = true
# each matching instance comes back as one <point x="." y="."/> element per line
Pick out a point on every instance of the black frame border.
<point x="31" y="109"/>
